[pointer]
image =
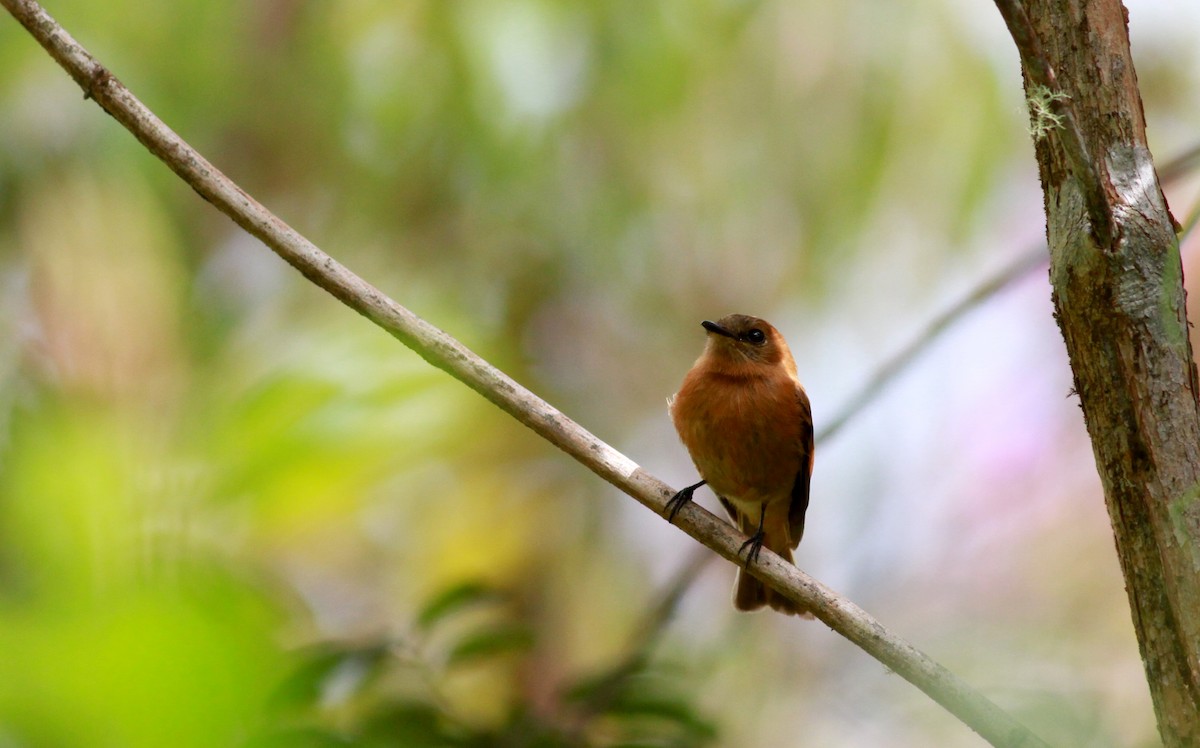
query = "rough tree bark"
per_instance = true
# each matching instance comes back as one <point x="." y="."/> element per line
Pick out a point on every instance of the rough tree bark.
<point x="1119" y="300"/>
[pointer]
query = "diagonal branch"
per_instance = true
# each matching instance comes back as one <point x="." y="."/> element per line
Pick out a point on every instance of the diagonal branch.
<point x="453" y="357"/>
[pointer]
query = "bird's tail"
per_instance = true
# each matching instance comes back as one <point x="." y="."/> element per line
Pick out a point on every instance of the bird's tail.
<point x="751" y="594"/>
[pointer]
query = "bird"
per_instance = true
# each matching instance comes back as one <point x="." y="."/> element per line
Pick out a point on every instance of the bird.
<point x="746" y="421"/>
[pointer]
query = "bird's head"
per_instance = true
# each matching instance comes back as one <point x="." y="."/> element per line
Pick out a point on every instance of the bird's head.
<point x="739" y="343"/>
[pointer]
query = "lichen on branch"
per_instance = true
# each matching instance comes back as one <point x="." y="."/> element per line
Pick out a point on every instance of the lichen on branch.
<point x="1042" y="118"/>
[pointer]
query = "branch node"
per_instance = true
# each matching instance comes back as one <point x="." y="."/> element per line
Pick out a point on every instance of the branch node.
<point x="99" y="79"/>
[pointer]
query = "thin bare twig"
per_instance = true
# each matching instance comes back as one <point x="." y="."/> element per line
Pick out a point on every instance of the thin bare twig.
<point x="935" y="327"/>
<point x="1035" y="257"/>
<point x="451" y="356"/>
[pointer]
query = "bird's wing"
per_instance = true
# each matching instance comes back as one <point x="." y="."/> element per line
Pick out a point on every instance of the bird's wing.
<point x="799" y="503"/>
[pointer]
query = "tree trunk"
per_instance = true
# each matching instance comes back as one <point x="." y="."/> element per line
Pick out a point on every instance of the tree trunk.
<point x="1119" y="300"/>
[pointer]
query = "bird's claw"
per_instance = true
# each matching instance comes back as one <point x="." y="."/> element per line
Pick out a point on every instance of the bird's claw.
<point x="684" y="496"/>
<point x="755" y="544"/>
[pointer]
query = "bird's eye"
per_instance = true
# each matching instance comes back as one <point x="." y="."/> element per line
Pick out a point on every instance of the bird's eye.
<point x="755" y="336"/>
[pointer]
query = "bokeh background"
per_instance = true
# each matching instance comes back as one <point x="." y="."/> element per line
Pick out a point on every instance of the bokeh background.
<point x="234" y="513"/>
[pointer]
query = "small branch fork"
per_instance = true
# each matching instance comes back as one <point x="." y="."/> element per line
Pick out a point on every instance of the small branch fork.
<point x="446" y="353"/>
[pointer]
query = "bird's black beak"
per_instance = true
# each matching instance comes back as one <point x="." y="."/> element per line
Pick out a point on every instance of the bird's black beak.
<point x="714" y="327"/>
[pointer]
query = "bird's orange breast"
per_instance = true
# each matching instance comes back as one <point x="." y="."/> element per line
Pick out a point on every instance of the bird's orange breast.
<point x="744" y="433"/>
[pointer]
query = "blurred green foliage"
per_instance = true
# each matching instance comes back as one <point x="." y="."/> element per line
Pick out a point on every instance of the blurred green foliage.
<point x="234" y="514"/>
<point x="397" y="692"/>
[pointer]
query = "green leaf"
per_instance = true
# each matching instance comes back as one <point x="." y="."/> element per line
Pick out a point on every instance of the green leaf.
<point x="305" y="685"/>
<point x="454" y="599"/>
<point x="598" y="690"/>
<point x="663" y="707"/>
<point x="639" y="703"/>
<point x="510" y="637"/>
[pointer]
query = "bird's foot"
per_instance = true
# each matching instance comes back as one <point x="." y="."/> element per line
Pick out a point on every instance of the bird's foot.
<point x="755" y="544"/>
<point x="678" y="500"/>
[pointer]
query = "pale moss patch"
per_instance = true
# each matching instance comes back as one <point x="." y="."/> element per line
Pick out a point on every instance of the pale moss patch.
<point x="1042" y="118"/>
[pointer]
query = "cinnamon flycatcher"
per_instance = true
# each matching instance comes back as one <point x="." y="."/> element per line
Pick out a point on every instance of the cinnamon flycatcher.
<point x="747" y="424"/>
